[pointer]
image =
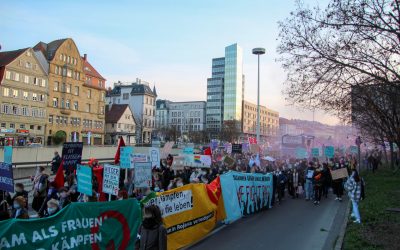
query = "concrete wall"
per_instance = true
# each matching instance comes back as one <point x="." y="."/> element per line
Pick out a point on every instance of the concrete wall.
<point x="40" y="154"/>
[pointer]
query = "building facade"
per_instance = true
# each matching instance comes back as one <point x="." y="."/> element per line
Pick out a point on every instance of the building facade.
<point x="120" y="122"/>
<point x="269" y="121"/>
<point x="187" y="117"/>
<point x="74" y="107"/>
<point x="225" y="89"/>
<point x="162" y="113"/>
<point x="142" y="101"/>
<point x="23" y="97"/>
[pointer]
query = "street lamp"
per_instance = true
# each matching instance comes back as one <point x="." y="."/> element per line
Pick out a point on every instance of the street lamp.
<point x="258" y="52"/>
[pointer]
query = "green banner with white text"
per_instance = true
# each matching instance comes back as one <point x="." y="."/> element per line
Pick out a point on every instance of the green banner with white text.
<point x="97" y="225"/>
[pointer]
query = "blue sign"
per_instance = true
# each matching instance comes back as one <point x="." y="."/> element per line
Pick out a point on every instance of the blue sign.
<point x="6" y="177"/>
<point x="214" y="144"/>
<point x="301" y="153"/>
<point x="125" y="157"/>
<point x="329" y="151"/>
<point x="188" y="150"/>
<point x="315" y="152"/>
<point x="84" y="176"/>
<point x="253" y="192"/>
<point x="8" y="151"/>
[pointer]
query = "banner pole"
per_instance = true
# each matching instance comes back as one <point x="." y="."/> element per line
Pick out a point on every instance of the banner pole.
<point x="109" y="197"/>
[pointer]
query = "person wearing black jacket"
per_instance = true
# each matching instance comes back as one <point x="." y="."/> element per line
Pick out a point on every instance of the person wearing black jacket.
<point x="152" y="234"/>
<point x="326" y="174"/>
<point x="55" y="162"/>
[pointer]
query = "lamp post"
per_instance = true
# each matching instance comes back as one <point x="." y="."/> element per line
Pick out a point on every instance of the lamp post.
<point x="258" y="52"/>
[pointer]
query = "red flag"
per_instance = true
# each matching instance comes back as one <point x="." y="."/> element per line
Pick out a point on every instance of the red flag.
<point x="207" y="151"/>
<point x="252" y="140"/>
<point x="59" y="179"/>
<point x="214" y="192"/>
<point x="98" y="172"/>
<point x="118" y="153"/>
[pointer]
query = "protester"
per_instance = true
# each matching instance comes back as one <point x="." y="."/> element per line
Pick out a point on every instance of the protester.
<point x="64" y="198"/>
<point x="40" y="182"/>
<point x="20" y="191"/>
<point x="318" y="182"/>
<point x="309" y="183"/>
<point x="52" y="207"/>
<point x="337" y="185"/>
<point x="327" y="179"/>
<point x="19" y="210"/>
<point x="5" y="201"/>
<point x="55" y="162"/>
<point x="353" y="187"/>
<point x="152" y="235"/>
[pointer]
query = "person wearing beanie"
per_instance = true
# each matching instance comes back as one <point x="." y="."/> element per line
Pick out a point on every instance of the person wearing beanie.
<point x="19" y="210"/>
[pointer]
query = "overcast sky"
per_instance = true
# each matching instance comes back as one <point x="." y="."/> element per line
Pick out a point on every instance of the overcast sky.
<point x="168" y="43"/>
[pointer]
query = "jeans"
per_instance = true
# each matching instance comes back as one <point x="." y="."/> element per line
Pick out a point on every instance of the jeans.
<point x="356" y="212"/>
<point x="309" y="189"/>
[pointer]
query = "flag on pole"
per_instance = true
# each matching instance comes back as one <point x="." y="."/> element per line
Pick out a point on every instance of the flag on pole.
<point x="118" y="153"/>
<point x="59" y="179"/>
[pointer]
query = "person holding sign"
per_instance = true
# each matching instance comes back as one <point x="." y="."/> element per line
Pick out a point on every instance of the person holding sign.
<point x="337" y="184"/>
<point x="309" y="183"/>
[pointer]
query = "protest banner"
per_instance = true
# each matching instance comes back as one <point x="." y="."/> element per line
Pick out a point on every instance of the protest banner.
<point x="188" y="214"/>
<point x="154" y="154"/>
<point x="301" y="153"/>
<point x="245" y="193"/>
<point x="329" y="151"/>
<point x="178" y="162"/>
<point x="143" y="174"/>
<point x="138" y="158"/>
<point x="84" y="177"/>
<point x="315" y="152"/>
<point x="339" y="173"/>
<point x="205" y="160"/>
<point x="187" y="150"/>
<point x="254" y="148"/>
<point x="6" y="178"/>
<point x="8" y="152"/>
<point x="89" y="225"/>
<point x="71" y="154"/>
<point x="236" y="148"/>
<point x="125" y="157"/>
<point x="167" y="149"/>
<point x="111" y="179"/>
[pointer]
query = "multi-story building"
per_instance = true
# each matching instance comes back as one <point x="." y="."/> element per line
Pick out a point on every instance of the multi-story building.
<point x="120" y="122"/>
<point x="23" y="97"/>
<point x="187" y="116"/>
<point x="269" y="121"/>
<point x="225" y="89"/>
<point x="75" y="104"/>
<point x="142" y="100"/>
<point x="162" y="113"/>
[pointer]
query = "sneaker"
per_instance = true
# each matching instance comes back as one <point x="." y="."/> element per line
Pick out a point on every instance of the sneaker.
<point x="336" y="199"/>
<point x="357" y="221"/>
<point x="315" y="202"/>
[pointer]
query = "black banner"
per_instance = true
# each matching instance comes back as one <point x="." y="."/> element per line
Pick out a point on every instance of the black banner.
<point x="236" y="148"/>
<point x="72" y="154"/>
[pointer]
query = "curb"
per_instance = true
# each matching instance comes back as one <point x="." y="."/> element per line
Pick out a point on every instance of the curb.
<point x="339" y="242"/>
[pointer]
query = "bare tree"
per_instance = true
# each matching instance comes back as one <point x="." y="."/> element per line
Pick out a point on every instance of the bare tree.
<point x="230" y="131"/>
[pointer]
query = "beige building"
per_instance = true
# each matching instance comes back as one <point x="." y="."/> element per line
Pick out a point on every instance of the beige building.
<point x="269" y="120"/>
<point x="75" y="105"/>
<point x="120" y="122"/>
<point x="23" y="97"/>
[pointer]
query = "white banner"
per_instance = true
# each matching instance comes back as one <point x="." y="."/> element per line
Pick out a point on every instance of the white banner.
<point x="173" y="203"/>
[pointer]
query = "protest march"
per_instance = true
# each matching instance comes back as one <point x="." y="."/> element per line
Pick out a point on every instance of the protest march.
<point x="183" y="197"/>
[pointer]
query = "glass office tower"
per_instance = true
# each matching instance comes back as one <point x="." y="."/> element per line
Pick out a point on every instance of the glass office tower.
<point x="233" y="83"/>
<point x="215" y="95"/>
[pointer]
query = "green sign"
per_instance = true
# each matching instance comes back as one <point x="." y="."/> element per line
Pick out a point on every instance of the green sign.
<point x="354" y="149"/>
<point x="301" y="153"/>
<point x="329" y="151"/>
<point x="89" y="225"/>
<point x="315" y="152"/>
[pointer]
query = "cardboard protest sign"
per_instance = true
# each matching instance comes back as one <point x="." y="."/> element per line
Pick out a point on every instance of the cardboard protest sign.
<point x="167" y="149"/>
<point x="111" y="179"/>
<point x="89" y="225"/>
<point x="84" y="177"/>
<point x="8" y="151"/>
<point x="339" y="173"/>
<point x="229" y="160"/>
<point x="237" y="148"/>
<point x="254" y="148"/>
<point x="125" y="157"/>
<point x="72" y="154"/>
<point x="6" y="177"/>
<point x="154" y="154"/>
<point x="329" y="151"/>
<point x="143" y="174"/>
<point x="138" y="158"/>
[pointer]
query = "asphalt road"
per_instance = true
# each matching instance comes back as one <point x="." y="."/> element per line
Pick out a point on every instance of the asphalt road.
<point x="295" y="224"/>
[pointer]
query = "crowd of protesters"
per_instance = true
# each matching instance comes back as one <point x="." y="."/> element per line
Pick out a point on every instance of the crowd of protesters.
<point x="310" y="180"/>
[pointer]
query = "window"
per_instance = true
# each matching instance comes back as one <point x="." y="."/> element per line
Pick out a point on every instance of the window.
<point x="6" y="92"/>
<point x="26" y="79"/>
<point x="57" y="119"/>
<point x="3" y="125"/>
<point x="69" y="88"/>
<point x="63" y="87"/>
<point x="67" y="104"/>
<point x="35" y="112"/>
<point x="89" y="94"/>
<point x="125" y="96"/>
<point x="22" y="126"/>
<point x="76" y="90"/>
<point x="68" y="59"/>
<point x="16" y="77"/>
<point x="39" y="128"/>
<point x="56" y="86"/>
<point x="69" y="73"/>
<point x="34" y="97"/>
<point x="41" y="113"/>
<point x="41" y="98"/>
<point x="56" y="70"/>
<point x="61" y="57"/>
<point x="15" y="93"/>
<point x="62" y="103"/>
<point x="64" y="72"/>
<point x="43" y="82"/>
<point x="50" y="119"/>
<point x="64" y="57"/>
<point x="55" y="102"/>
<point x="14" y="110"/>
<point x="28" y="65"/>
<point x="12" y="125"/>
<point x="75" y="105"/>
<point x="25" y="111"/>
<point x="36" y="81"/>
<point x="102" y="110"/>
<point x="87" y="107"/>
<point x="5" y="108"/>
<point x="8" y="75"/>
<point x="103" y="96"/>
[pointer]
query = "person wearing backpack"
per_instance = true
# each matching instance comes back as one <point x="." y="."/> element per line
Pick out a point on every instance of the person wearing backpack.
<point x="353" y="188"/>
<point x="152" y="235"/>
